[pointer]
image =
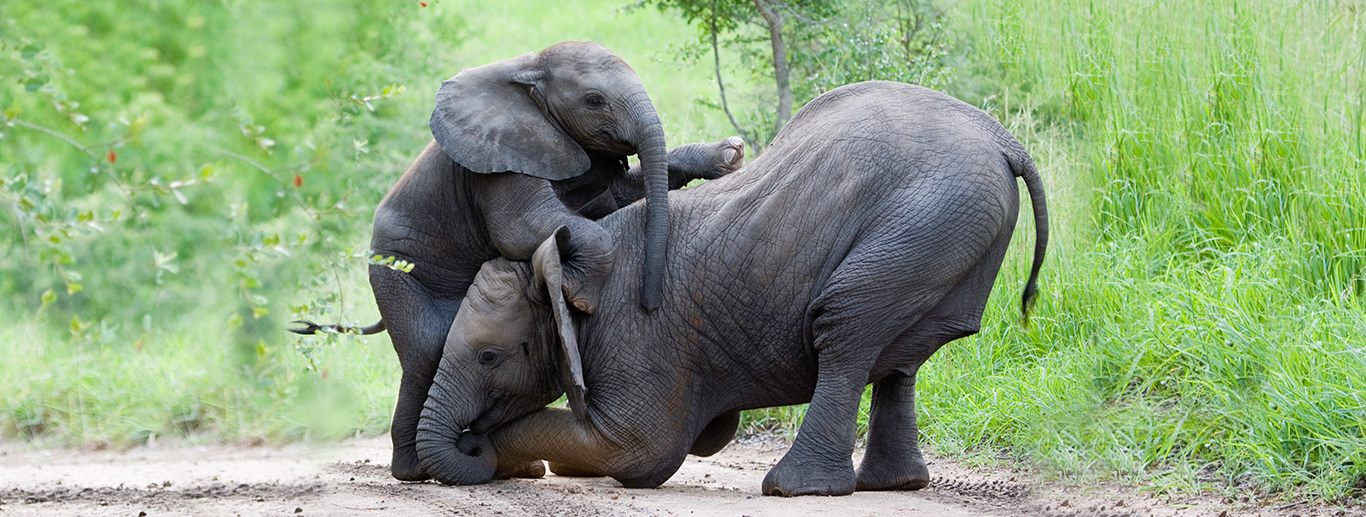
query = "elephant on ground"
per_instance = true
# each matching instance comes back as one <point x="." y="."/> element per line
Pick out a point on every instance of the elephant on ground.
<point x="565" y="120"/>
<point x="866" y="237"/>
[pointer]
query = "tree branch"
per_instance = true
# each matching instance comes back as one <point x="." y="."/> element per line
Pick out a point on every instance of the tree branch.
<point x="125" y="190"/>
<point x="68" y="139"/>
<point x="716" y="62"/>
<point x="781" y="74"/>
<point x="313" y="216"/>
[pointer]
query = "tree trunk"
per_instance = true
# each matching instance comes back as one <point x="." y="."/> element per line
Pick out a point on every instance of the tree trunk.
<point x="780" y="70"/>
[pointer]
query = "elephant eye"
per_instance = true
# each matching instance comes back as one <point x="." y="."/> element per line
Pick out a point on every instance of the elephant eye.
<point x="596" y="101"/>
<point x="488" y="357"/>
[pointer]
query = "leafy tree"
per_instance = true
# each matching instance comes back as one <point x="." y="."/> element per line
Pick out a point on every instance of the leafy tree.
<point x="810" y="46"/>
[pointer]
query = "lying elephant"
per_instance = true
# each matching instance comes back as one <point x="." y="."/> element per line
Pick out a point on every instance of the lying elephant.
<point x="522" y="147"/>
<point x="865" y="238"/>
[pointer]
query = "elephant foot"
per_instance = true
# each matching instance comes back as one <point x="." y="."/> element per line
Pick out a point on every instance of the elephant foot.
<point x="405" y="467"/>
<point x="881" y="472"/>
<point x="706" y="161"/>
<point x="530" y="469"/>
<point x="732" y="154"/>
<point x="793" y="478"/>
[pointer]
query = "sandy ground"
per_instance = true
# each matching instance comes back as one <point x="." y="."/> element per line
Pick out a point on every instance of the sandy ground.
<point x="352" y="478"/>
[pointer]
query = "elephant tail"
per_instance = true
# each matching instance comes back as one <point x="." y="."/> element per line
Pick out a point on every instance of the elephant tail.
<point x="337" y="328"/>
<point x="1023" y="166"/>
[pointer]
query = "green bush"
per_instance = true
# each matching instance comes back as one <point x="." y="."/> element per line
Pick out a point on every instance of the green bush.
<point x="184" y="179"/>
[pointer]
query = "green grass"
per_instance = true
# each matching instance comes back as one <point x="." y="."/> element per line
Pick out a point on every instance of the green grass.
<point x="1202" y="322"/>
<point x="1202" y="314"/>
<point x="179" y="385"/>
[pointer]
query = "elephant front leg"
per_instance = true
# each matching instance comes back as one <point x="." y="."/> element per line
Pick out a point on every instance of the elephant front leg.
<point x="705" y="161"/>
<point x="575" y="448"/>
<point x="529" y="469"/>
<point x="551" y="434"/>
<point x="417" y="326"/>
<point x="893" y="460"/>
<point x="687" y="162"/>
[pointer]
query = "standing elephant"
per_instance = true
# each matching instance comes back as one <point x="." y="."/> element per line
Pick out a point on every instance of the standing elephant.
<point x="563" y="120"/>
<point x="864" y="239"/>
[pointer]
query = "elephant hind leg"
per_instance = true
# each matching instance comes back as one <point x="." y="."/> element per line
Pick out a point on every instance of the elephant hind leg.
<point x="884" y="287"/>
<point x="718" y="433"/>
<point x="853" y="323"/>
<point x="893" y="460"/>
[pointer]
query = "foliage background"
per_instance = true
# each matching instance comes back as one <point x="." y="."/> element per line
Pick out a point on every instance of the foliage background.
<point x="180" y="179"/>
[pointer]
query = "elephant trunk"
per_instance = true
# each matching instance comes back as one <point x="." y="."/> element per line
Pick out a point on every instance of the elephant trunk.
<point x="446" y="452"/>
<point x="654" y="163"/>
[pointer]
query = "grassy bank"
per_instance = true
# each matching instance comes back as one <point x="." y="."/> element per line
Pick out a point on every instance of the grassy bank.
<point x="1202" y="324"/>
<point x="1203" y="321"/>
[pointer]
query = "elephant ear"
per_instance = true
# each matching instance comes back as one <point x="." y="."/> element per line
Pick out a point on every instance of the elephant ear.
<point x="546" y="264"/>
<point x="486" y="121"/>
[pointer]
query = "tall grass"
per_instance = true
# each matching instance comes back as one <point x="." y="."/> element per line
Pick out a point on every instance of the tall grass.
<point x="1202" y="324"/>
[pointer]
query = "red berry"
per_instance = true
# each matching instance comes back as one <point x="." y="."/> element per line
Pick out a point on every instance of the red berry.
<point x="113" y="156"/>
<point x="298" y="181"/>
<point x="423" y="4"/>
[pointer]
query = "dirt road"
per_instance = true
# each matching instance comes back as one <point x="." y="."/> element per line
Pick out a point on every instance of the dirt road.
<point x="352" y="478"/>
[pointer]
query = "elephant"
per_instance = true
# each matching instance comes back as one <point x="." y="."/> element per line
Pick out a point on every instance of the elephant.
<point x="865" y="238"/>
<point x="522" y="146"/>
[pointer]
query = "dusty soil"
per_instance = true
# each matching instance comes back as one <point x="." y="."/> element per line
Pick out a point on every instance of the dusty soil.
<point x="352" y="478"/>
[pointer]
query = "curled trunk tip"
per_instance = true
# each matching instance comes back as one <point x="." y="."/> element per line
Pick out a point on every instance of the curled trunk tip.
<point x="445" y="452"/>
<point x="468" y="459"/>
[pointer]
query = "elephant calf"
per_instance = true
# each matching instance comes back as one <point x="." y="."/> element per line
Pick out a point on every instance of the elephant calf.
<point x="522" y="146"/>
<point x="865" y="238"/>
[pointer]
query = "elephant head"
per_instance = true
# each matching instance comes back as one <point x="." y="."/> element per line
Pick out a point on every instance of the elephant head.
<point x="547" y="115"/>
<point x="511" y="350"/>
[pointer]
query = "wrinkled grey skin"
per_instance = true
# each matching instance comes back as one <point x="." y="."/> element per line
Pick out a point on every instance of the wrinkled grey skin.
<point x="564" y="119"/>
<point x="864" y="239"/>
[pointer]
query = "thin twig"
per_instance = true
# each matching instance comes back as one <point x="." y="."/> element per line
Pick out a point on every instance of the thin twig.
<point x="123" y="189"/>
<point x="250" y="162"/>
<point x="355" y="508"/>
<point x="315" y="217"/>
<point x="65" y="138"/>
<point x="716" y="61"/>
